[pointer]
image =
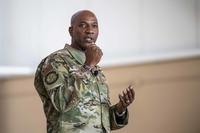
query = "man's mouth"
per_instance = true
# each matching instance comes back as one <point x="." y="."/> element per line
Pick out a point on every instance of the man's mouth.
<point x="88" y="39"/>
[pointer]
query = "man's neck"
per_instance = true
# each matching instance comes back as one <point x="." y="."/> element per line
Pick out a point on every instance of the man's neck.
<point x="75" y="46"/>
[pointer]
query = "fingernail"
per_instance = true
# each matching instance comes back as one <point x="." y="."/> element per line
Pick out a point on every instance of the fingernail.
<point x="128" y="90"/>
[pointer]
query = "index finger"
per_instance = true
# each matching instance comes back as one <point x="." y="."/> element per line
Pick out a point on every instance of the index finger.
<point x="132" y="90"/>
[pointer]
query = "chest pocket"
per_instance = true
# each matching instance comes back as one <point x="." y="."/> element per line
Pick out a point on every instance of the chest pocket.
<point x="103" y="90"/>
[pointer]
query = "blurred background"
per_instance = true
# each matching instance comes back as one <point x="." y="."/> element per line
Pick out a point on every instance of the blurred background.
<point x="154" y="44"/>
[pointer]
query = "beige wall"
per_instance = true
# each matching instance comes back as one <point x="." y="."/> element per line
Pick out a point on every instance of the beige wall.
<point x="167" y="98"/>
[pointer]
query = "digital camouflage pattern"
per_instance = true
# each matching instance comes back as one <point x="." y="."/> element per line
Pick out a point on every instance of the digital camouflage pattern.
<point x="74" y="100"/>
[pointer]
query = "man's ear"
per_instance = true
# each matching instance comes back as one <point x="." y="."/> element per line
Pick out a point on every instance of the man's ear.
<point x="70" y="30"/>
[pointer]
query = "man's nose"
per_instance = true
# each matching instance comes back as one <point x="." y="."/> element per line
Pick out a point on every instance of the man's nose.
<point x="89" y="30"/>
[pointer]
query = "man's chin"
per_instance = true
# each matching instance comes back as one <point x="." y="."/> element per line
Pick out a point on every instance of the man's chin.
<point x="87" y="44"/>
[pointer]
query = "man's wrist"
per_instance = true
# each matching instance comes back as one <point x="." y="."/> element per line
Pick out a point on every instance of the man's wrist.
<point x="120" y="114"/>
<point x="120" y="110"/>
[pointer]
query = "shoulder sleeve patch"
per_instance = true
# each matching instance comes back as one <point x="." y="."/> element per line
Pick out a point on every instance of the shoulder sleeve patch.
<point x="51" y="77"/>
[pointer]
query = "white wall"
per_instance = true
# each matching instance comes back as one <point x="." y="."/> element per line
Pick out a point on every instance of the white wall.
<point x="198" y="22"/>
<point x="1" y="30"/>
<point x="21" y="32"/>
<point x="169" y="25"/>
<point x="129" y="30"/>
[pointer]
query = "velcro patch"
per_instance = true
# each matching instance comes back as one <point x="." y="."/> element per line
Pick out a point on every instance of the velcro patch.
<point x="51" y="77"/>
<point x="46" y="69"/>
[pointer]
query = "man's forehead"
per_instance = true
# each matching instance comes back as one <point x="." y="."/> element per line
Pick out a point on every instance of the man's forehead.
<point x="86" y="16"/>
<point x="87" y="19"/>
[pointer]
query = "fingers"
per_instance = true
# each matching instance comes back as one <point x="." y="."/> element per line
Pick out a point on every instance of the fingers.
<point x="131" y="93"/>
<point x="92" y="46"/>
<point x="93" y="55"/>
<point x="98" y="50"/>
<point x="127" y="96"/>
<point x="122" y="100"/>
<point x="130" y="97"/>
<point x="95" y="48"/>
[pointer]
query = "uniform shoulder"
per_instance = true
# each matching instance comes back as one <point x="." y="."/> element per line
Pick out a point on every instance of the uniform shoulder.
<point x="58" y="56"/>
<point x="55" y="56"/>
<point x="60" y="53"/>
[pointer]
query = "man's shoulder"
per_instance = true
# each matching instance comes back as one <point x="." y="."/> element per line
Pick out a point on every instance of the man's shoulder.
<point x="56" y="56"/>
<point x="59" y="54"/>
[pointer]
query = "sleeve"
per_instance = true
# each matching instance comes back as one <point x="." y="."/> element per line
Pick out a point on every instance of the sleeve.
<point x="117" y="122"/>
<point x="59" y="81"/>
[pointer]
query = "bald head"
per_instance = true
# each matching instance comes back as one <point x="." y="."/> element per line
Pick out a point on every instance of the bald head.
<point x="80" y="14"/>
<point x="83" y="30"/>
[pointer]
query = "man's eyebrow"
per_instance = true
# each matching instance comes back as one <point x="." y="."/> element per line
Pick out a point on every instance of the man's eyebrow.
<point x="82" y="22"/>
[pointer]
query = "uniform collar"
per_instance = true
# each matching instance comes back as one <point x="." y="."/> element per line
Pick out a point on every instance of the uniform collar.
<point x="77" y="54"/>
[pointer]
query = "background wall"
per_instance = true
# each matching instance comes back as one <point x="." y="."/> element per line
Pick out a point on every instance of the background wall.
<point x="144" y="29"/>
<point x="167" y="98"/>
<point x="198" y="21"/>
<point x="153" y="43"/>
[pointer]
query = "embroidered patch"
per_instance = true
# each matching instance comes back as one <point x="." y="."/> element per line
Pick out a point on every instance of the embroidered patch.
<point x="51" y="77"/>
<point x="47" y="68"/>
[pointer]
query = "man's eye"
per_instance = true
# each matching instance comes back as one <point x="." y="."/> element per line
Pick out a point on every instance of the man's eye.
<point x="95" y="26"/>
<point x="82" y="25"/>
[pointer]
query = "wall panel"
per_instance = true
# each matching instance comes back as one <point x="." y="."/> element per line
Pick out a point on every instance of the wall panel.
<point x="167" y="98"/>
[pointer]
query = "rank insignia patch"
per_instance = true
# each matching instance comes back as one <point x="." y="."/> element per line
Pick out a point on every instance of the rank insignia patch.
<point x="51" y="77"/>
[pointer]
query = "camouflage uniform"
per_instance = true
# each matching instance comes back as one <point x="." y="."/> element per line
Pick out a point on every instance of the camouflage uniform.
<point x="74" y="99"/>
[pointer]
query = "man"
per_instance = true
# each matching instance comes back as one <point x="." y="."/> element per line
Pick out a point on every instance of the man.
<point x="73" y="88"/>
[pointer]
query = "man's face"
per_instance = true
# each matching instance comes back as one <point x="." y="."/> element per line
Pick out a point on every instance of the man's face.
<point x="84" y="30"/>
